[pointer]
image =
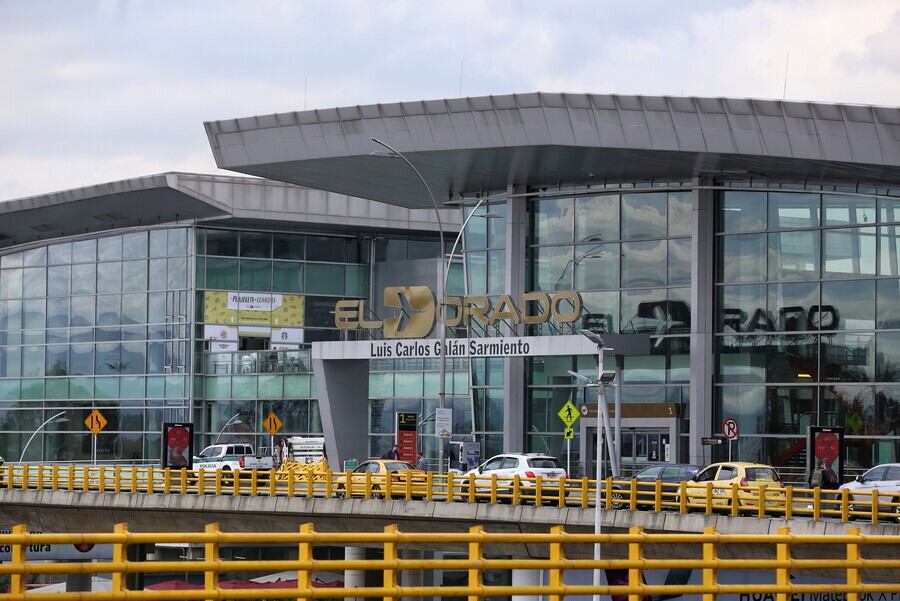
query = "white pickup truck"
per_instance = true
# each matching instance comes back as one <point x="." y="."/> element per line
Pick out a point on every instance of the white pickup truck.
<point x="231" y="457"/>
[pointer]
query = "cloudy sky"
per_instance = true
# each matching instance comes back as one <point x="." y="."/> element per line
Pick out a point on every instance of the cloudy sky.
<point x="110" y="89"/>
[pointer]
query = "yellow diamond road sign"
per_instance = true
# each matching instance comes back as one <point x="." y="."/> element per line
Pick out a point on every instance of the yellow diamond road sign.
<point x="568" y="414"/>
<point x="95" y="422"/>
<point x="272" y="424"/>
<point x="569" y="434"/>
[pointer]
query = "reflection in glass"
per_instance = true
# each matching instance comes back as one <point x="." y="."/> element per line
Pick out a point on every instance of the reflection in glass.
<point x="597" y="218"/>
<point x="888" y="210"/>
<point x="256" y="245"/>
<point x="553" y="268"/>
<point x="288" y="246"/>
<point x="644" y="215"/>
<point x="742" y="258"/>
<point x="887" y="410"/>
<point x="851" y="407"/>
<point x="794" y="255"/>
<point x="223" y="243"/>
<point x="888" y="303"/>
<point x="476" y="230"/>
<point x="680" y="216"/>
<point x="848" y="357"/>
<point x="109" y="277"/>
<point x="889" y="253"/>
<point x="477" y="272"/>
<point x="850" y="251"/>
<point x="642" y="262"/>
<point x="680" y="262"/>
<point x="679" y="311"/>
<point x="790" y="410"/>
<point x="221" y="274"/>
<point x="848" y="305"/>
<point x="848" y="210"/>
<point x="888" y="359"/>
<point x="109" y="248"/>
<point x="596" y="267"/>
<point x="746" y="404"/>
<point x="496" y="272"/>
<point x="601" y="311"/>
<point x="84" y="278"/>
<point x="554" y="220"/>
<point x="11" y="283"/>
<point x="794" y="307"/>
<point x="743" y="309"/>
<point x="742" y="211"/>
<point x="790" y="210"/>
<point x="644" y="311"/>
<point x="793" y="359"/>
<point x="741" y="359"/>
<point x="322" y="278"/>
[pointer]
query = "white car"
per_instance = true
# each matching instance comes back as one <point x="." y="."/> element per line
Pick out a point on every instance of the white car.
<point x="231" y="457"/>
<point x="884" y="478"/>
<point x="527" y="466"/>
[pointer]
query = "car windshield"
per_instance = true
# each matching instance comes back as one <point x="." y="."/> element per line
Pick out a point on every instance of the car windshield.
<point x="397" y="466"/>
<point x="762" y="474"/>
<point x="547" y="463"/>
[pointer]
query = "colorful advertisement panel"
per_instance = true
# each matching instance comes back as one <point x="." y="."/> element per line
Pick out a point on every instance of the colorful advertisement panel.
<point x="260" y="310"/>
<point x="177" y="445"/>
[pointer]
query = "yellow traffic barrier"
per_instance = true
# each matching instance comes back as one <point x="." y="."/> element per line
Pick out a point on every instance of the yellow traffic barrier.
<point x="317" y="481"/>
<point x="555" y="551"/>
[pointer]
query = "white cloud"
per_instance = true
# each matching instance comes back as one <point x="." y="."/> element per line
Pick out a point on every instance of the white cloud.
<point x="115" y="89"/>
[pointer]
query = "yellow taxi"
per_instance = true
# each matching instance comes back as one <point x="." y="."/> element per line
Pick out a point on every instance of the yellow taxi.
<point x="748" y="478"/>
<point x="382" y="474"/>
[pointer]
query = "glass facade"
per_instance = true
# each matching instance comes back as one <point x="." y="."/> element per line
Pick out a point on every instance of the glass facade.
<point x="95" y="323"/>
<point x="806" y="297"/>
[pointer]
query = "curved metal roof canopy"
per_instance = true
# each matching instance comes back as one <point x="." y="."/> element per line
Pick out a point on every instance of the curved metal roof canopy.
<point x="466" y="145"/>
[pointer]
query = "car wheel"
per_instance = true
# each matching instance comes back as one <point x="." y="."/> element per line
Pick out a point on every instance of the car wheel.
<point x="618" y="500"/>
<point x="340" y="493"/>
<point x="376" y="492"/>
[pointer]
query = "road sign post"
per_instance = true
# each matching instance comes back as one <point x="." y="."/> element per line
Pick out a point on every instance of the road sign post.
<point x="94" y="422"/>
<point x="731" y="431"/>
<point x="569" y="414"/>
<point x="273" y="424"/>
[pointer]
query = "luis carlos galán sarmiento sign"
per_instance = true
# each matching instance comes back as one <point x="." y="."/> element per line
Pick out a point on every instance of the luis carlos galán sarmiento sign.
<point x="420" y="312"/>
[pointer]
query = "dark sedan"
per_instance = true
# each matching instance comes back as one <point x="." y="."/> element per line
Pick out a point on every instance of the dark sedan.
<point x="667" y="473"/>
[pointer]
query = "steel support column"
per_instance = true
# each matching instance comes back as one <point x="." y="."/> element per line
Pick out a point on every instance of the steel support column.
<point x="514" y="367"/>
<point x="702" y="319"/>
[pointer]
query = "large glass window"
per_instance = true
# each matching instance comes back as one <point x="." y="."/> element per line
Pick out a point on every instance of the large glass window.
<point x="554" y="220"/>
<point x="680" y="262"/>
<point x="848" y="305"/>
<point x="553" y="267"/>
<point x="848" y="210"/>
<point x="597" y="267"/>
<point x="794" y="255"/>
<point x="644" y="215"/>
<point x="848" y="357"/>
<point x="680" y="213"/>
<point x="743" y="211"/>
<point x="793" y="210"/>
<point x="742" y="258"/>
<point x="850" y="251"/>
<point x="597" y="218"/>
<point x="794" y="307"/>
<point x="641" y="263"/>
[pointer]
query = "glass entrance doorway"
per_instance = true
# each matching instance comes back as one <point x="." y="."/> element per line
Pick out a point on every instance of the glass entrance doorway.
<point x="640" y="447"/>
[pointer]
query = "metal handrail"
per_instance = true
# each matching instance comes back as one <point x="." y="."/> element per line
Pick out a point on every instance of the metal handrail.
<point x="695" y="552"/>
<point x="760" y="500"/>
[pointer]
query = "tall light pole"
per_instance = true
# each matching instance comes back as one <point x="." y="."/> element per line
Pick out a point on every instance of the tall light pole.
<point x="232" y="420"/>
<point x="603" y="379"/>
<point x="52" y="420"/>
<point x="443" y="277"/>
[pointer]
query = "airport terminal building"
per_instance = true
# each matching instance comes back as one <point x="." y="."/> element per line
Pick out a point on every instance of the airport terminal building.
<point x="756" y="243"/>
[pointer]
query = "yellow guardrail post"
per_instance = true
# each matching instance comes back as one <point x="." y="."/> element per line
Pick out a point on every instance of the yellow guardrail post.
<point x="735" y="500"/>
<point x="845" y="505"/>
<point x="782" y="573"/>
<point x="151" y="476"/>
<point x="682" y="497"/>
<point x="789" y="502"/>
<point x="119" y="557"/>
<point x="304" y="555"/>
<point x="449" y="482"/>
<point x="585" y="489"/>
<point x="167" y="480"/>
<point x="25" y="476"/>
<point x="135" y="471"/>
<point x="709" y="556"/>
<point x="407" y="480"/>
<point x="761" y="493"/>
<point x="817" y="504"/>
<point x="17" y="559"/>
<point x="309" y="484"/>
<point x="9" y="476"/>
<point x="562" y="491"/>
<point x="390" y="556"/>
<point x="368" y="491"/>
<point x="429" y="487"/>
<point x="254" y="483"/>
<point x="476" y="574"/>
<point x="635" y="553"/>
<point x="538" y="491"/>
<point x="184" y="480"/>
<point x="632" y="494"/>
<point x="875" y="506"/>
<point x="54" y="478"/>
<point x="657" y="497"/>
<point x="85" y="478"/>
<point x="472" y="495"/>
<point x="853" y="555"/>
<point x="117" y="480"/>
<point x="493" y="489"/>
<point x="709" y="498"/>
<point x="201" y="481"/>
<point x="211" y="553"/>
<point x="517" y="490"/>
<point x="40" y="476"/>
<point x="388" y="485"/>
<point x="236" y="482"/>
<point x="329" y="484"/>
<point x="608" y="484"/>
<point x="556" y="577"/>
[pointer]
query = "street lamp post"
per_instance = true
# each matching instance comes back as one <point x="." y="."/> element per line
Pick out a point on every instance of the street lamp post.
<point x="443" y="329"/>
<point x="232" y="420"/>
<point x="52" y="420"/>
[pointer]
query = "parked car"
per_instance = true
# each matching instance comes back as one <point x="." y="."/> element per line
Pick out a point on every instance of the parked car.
<point x="667" y="473"/>
<point x="380" y="470"/>
<point x="506" y="467"/>
<point x="884" y="478"/>
<point x="748" y="477"/>
<point x="231" y="457"/>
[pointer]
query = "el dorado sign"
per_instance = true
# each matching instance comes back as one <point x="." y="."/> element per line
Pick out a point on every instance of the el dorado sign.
<point x="421" y="311"/>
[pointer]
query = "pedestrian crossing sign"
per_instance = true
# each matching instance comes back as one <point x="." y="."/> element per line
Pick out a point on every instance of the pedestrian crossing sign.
<point x="569" y="414"/>
<point x="568" y="434"/>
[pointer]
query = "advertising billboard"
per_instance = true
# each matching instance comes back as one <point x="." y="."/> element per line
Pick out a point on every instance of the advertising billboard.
<point x="254" y="313"/>
<point x="825" y="445"/>
<point x="178" y="445"/>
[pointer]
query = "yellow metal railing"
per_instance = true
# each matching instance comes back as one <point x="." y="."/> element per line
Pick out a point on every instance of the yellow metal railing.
<point x="850" y="563"/>
<point x="761" y="499"/>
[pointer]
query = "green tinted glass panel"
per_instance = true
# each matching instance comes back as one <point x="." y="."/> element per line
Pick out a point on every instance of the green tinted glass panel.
<point x="9" y="390"/>
<point x="32" y="389"/>
<point x="409" y="384"/>
<point x="381" y="385"/>
<point x="81" y="388"/>
<point x="221" y="274"/>
<point x="106" y="388"/>
<point x="271" y="387"/>
<point x="459" y="384"/>
<point x="57" y="388"/>
<point x="256" y="275"/>
<point x="297" y="386"/>
<point x="156" y="387"/>
<point x="243" y="387"/>
<point x="218" y="387"/>
<point x="287" y="276"/>
<point x="324" y="279"/>
<point x="356" y="280"/>
<point x="132" y="387"/>
<point x="174" y="387"/>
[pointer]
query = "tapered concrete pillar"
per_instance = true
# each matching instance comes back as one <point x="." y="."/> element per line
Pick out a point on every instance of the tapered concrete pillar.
<point x="526" y="578"/>
<point x="354" y="578"/>
<point x="411" y="577"/>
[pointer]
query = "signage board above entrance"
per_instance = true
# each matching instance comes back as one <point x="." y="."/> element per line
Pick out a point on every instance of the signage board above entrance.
<point x="420" y="311"/>
<point x="524" y="346"/>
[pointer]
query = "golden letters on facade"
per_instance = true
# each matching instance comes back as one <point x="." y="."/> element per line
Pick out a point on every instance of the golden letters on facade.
<point x="421" y="311"/>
